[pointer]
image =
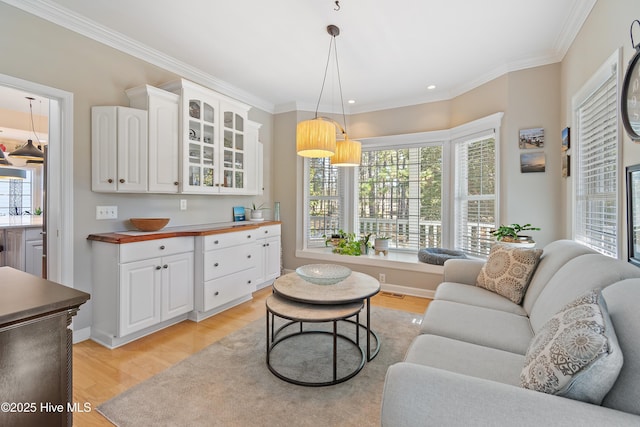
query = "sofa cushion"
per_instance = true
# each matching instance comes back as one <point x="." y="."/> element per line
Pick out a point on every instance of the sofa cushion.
<point x="476" y="295"/>
<point x="577" y="276"/>
<point x="508" y="270"/>
<point x="622" y="302"/>
<point x="466" y="358"/>
<point x="478" y="325"/>
<point x="576" y="353"/>
<point x="556" y="254"/>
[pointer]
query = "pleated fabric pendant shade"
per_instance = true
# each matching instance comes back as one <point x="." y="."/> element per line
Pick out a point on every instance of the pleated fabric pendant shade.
<point x="315" y="138"/>
<point x="348" y="153"/>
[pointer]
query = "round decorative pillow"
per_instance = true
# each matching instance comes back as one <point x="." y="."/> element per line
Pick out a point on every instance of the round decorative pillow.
<point x="438" y="256"/>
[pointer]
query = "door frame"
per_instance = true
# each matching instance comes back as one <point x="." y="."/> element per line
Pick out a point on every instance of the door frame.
<point x="59" y="209"/>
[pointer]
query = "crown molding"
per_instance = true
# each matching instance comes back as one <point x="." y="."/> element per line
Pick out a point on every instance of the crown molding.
<point x="579" y="14"/>
<point x="77" y="23"/>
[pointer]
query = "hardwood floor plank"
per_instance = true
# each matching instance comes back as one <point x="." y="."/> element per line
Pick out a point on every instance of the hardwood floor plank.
<point x="100" y="374"/>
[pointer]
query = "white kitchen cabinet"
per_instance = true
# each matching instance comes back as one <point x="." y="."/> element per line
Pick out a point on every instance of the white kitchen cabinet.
<point x="269" y="253"/>
<point x="140" y="287"/>
<point x="33" y="251"/>
<point x="163" y="134"/>
<point x="23" y="249"/>
<point x="255" y="161"/>
<point x="119" y="149"/>
<point x="225" y="271"/>
<point x="216" y="145"/>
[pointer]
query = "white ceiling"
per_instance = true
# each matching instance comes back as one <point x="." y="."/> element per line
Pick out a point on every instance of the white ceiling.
<point x="273" y="53"/>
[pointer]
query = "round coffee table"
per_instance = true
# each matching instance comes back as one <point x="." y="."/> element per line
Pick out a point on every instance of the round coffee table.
<point x="358" y="287"/>
<point x="299" y="313"/>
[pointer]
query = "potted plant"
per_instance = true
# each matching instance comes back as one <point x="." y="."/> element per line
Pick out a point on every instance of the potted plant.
<point x="510" y="234"/>
<point x="365" y="244"/>
<point x="381" y="244"/>
<point x="256" y="212"/>
<point x="334" y="238"/>
<point x="348" y="245"/>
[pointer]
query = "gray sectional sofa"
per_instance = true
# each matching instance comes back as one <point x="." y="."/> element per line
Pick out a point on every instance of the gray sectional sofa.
<point x="465" y="368"/>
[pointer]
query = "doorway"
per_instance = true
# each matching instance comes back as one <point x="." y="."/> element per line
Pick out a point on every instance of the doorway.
<point x="58" y="210"/>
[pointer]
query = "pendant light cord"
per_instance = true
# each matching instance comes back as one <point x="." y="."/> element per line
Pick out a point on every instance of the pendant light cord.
<point x="334" y="45"/>
<point x="33" y="128"/>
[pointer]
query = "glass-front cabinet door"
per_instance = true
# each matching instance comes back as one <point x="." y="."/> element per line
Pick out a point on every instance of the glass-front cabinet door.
<point x="202" y="139"/>
<point x="233" y="152"/>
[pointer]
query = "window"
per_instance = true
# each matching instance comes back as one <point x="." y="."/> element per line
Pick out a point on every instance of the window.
<point x="403" y="189"/>
<point x="400" y="196"/>
<point x="15" y="196"/>
<point x="475" y="194"/>
<point x="325" y="201"/>
<point x="596" y="215"/>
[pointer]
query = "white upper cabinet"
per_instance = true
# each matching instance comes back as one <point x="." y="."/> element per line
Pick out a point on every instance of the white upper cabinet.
<point x="163" y="115"/>
<point x="216" y="147"/>
<point x="119" y="149"/>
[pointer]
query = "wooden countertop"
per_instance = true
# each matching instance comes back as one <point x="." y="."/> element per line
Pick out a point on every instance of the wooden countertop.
<point x="119" y="237"/>
<point x="25" y="296"/>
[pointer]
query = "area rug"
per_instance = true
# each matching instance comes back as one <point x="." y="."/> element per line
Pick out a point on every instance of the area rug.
<point x="229" y="384"/>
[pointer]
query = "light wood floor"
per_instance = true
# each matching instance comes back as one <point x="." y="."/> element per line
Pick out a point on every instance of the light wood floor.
<point x="100" y="374"/>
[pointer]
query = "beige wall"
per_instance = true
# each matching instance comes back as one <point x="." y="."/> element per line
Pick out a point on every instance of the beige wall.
<point x="36" y="50"/>
<point x="605" y="31"/>
<point x="529" y="98"/>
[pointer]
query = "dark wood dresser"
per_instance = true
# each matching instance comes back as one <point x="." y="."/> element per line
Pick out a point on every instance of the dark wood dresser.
<point x="36" y="349"/>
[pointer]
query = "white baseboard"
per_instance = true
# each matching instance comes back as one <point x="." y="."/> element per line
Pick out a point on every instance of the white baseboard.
<point x="81" y="335"/>
<point x="408" y="290"/>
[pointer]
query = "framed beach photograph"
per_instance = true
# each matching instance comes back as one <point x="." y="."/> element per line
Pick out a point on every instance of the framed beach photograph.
<point x="566" y="165"/>
<point x="566" y="140"/>
<point x="531" y="138"/>
<point x="533" y="162"/>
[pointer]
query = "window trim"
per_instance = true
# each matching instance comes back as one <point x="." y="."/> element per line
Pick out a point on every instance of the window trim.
<point x="612" y="65"/>
<point x="447" y="137"/>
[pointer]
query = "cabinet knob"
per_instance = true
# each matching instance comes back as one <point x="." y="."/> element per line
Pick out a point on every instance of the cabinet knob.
<point x="110" y="181"/>
<point x="249" y="282"/>
<point x="216" y="264"/>
<point x="266" y="231"/>
<point x="175" y="183"/>
<point x="121" y="180"/>
<point x="162" y="248"/>
<point x="248" y="256"/>
<point x="165" y="266"/>
<point x="267" y="244"/>
<point x="216" y="242"/>
<point x="216" y="293"/>
<point x="248" y="236"/>
<point x="158" y="267"/>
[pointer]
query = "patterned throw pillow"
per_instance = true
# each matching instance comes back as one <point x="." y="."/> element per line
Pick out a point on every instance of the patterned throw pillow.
<point x="576" y="353"/>
<point x="508" y="271"/>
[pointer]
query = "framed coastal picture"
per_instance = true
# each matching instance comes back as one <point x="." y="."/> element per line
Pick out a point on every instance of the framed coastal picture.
<point x="238" y="213"/>
<point x="566" y="165"/>
<point x="566" y="140"/>
<point x="531" y="138"/>
<point x="533" y="162"/>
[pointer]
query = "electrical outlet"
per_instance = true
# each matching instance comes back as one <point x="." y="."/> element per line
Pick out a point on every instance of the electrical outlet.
<point x="183" y="205"/>
<point x="106" y="212"/>
<point x="382" y="278"/>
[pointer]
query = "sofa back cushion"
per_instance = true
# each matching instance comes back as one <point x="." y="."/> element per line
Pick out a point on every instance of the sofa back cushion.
<point x="577" y="276"/>
<point x="555" y="255"/>
<point x="576" y="353"/>
<point x="622" y="301"/>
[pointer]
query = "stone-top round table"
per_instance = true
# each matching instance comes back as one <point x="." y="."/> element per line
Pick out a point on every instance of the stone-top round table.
<point x="355" y="288"/>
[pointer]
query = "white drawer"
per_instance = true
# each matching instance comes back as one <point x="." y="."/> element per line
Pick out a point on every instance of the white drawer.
<point x="230" y="260"/>
<point x="269" y="231"/>
<point x="221" y="291"/>
<point x="33" y="234"/>
<point x="155" y="248"/>
<point x="224" y="240"/>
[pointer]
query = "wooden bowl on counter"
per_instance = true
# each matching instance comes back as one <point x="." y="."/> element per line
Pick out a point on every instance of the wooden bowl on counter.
<point x="149" y="224"/>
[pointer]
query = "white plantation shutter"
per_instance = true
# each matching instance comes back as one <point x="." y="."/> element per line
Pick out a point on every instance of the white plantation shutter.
<point x="597" y="169"/>
<point x="475" y="194"/>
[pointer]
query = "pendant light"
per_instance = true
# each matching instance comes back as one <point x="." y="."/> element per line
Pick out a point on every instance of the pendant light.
<point x="317" y="137"/>
<point x="12" y="173"/>
<point x="29" y="151"/>
<point x="3" y="160"/>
